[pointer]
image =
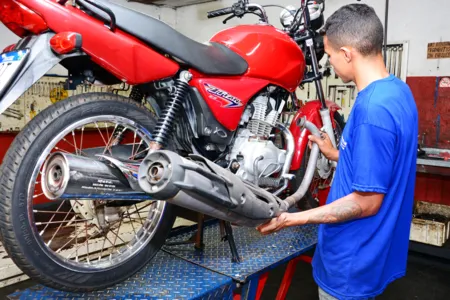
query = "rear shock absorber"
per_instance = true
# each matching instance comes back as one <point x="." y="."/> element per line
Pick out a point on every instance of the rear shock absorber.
<point x="166" y="123"/>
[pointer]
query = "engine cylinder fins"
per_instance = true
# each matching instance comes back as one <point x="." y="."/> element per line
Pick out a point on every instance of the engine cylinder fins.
<point x="264" y="116"/>
<point x="165" y="125"/>
<point x="68" y="176"/>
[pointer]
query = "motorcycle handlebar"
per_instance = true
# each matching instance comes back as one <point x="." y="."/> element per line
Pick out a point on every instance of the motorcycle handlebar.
<point x="220" y="12"/>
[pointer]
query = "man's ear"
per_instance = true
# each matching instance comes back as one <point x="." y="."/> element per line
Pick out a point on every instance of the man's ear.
<point x="347" y="54"/>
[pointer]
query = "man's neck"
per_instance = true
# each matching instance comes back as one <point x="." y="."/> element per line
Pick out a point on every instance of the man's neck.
<point x="369" y="70"/>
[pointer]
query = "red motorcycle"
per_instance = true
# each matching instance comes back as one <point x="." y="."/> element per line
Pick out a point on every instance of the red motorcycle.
<point x="88" y="187"/>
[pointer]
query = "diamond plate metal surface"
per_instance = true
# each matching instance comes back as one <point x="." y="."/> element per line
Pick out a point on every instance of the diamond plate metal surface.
<point x="166" y="277"/>
<point x="258" y="253"/>
<point x="223" y="293"/>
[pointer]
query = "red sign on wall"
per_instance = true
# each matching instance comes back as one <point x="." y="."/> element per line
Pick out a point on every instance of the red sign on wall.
<point x="444" y="87"/>
<point x="445" y="82"/>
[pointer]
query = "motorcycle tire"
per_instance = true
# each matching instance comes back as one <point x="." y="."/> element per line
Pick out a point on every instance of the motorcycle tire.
<point x="20" y="235"/>
<point x="309" y="201"/>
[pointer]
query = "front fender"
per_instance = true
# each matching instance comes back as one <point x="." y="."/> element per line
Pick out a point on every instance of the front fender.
<point x="41" y="59"/>
<point x="311" y="110"/>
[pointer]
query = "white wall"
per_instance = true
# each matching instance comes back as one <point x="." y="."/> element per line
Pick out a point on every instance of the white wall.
<point x="164" y="14"/>
<point x="192" y="21"/>
<point x="167" y="15"/>
<point x="413" y="20"/>
<point x="421" y="23"/>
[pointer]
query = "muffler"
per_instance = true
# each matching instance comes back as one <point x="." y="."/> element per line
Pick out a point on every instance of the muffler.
<point x="200" y="185"/>
<point x="68" y="176"/>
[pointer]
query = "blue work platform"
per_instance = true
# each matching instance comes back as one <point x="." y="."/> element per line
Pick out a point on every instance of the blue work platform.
<point x="181" y="272"/>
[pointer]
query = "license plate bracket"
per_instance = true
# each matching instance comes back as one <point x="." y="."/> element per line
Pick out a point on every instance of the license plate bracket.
<point x="10" y="65"/>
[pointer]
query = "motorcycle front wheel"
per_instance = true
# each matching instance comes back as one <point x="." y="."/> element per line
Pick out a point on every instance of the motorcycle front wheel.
<point x="79" y="245"/>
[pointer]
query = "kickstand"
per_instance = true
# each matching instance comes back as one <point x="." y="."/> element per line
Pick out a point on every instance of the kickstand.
<point x="226" y="226"/>
<point x="196" y="238"/>
<point x="200" y="231"/>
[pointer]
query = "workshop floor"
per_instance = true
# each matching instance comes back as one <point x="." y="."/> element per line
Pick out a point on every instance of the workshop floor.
<point x="427" y="279"/>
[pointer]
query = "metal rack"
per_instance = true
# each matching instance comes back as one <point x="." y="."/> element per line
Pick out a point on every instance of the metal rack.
<point x="184" y="272"/>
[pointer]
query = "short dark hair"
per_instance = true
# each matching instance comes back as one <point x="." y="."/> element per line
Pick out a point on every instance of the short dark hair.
<point x="355" y="25"/>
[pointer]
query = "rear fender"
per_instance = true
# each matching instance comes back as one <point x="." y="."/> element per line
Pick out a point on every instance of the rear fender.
<point x="41" y="59"/>
<point x="311" y="110"/>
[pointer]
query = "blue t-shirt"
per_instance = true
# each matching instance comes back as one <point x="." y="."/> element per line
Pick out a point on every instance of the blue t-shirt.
<point x="377" y="153"/>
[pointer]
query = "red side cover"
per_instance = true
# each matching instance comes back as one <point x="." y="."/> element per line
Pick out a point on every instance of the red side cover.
<point x="227" y="97"/>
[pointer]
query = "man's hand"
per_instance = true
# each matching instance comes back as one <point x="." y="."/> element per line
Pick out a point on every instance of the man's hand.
<point x="351" y="207"/>
<point x="274" y="225"/>
<point x="325" y="146"/>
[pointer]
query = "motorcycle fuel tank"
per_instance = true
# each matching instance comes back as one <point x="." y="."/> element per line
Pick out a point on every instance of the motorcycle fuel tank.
<point x="271" y="54"/>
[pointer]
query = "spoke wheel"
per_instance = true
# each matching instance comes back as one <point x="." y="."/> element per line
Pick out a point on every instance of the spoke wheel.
<point x="80" y="245"/>
<point x="90" y="234"/>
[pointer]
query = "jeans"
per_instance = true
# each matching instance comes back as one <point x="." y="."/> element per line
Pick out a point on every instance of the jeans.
<point x="325" y="296"/>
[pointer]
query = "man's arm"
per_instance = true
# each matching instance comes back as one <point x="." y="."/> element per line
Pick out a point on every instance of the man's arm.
<point x="373" y="158"/>
<point x="354" y="206"/>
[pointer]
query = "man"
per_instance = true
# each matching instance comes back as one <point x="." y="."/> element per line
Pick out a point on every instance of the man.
<point x="364" y="232"/>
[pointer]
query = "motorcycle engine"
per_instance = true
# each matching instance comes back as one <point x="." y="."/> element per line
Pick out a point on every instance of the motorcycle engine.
<point x="253" y="154"/>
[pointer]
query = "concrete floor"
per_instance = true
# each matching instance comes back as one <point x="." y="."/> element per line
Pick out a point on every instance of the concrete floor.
<point x="427" y="279"/>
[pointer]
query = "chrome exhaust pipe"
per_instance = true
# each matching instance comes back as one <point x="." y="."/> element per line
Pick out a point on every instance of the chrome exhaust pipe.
<point x="68" y="176"/>
<point x="310" y="169"/>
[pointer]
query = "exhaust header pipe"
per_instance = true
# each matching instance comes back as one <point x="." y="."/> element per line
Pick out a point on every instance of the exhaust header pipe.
<point x="310" y="169"/>
<point x="68" y="176"/>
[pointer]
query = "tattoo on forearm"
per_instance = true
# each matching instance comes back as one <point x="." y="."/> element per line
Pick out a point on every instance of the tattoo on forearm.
<point x="342" y="212"/>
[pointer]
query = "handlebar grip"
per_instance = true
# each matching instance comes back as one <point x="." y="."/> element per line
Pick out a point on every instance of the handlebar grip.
<point x="220" y="12"/>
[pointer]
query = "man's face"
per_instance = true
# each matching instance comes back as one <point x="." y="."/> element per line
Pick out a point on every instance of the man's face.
<point x="341" y="64"/>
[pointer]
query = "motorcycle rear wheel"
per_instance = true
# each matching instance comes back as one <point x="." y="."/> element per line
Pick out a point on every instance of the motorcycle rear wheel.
<point x="23" y="232"/>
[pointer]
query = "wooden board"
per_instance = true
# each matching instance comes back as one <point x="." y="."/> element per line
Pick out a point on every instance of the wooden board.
<point x="438" y="50"/>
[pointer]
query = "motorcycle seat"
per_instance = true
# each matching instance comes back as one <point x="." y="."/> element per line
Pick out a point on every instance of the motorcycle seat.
<point x="213" y="59"/>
